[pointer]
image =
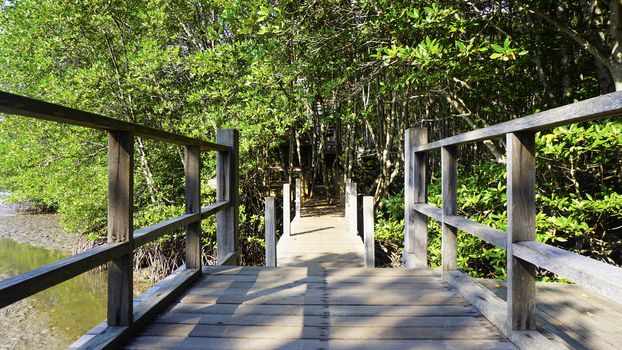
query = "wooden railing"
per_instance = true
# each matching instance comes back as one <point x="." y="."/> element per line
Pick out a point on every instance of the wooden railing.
<point x="122" y="238"/>
<point x="523" y="252"/>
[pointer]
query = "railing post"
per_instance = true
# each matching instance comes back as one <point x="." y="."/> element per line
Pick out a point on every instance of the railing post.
<point x="368" y="224"/>
<point x="352" y="207"/>
<point x="287" y="221"/>
<point x="449" y="169"/>
<point x="521" y="227"/>
<point x="120" y="226"/>
<point x="415" y="191"/>
<point x="228" y="184"/>
<point x="193" y="205"/>
<point x="298" y="197"/>
<point x="270" y="231"/>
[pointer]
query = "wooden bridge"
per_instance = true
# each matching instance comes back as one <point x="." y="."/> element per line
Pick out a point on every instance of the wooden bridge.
<point x="319" y="302"/>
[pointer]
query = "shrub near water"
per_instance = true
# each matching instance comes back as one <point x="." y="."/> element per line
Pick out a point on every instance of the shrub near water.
<point x="578" y="201"/>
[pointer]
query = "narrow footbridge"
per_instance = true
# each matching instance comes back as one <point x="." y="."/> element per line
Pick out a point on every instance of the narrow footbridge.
<point x="316" y="294"/>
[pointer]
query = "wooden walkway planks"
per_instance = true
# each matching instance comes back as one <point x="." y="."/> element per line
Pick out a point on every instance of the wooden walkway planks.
<point x="320" y="238"/>
<point x="581" y="319"/>
<point x="320" y="308"/>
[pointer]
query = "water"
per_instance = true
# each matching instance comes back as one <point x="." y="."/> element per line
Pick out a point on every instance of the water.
<point x="57" y="316"/>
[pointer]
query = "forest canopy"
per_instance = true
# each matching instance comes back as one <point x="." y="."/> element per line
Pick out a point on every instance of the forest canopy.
<point x="294" y="73"/>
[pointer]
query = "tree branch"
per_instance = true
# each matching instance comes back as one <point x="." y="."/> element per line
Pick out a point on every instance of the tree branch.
<point x="576" y="37"/>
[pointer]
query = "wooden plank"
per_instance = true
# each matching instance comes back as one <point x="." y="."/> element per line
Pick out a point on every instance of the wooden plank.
<point x="26" y="284"/>
<point x="496" y="311"/>
<point x="371" y="284"/>
<point x="484" y="232"/>
<point x="192" y="172"/>
<point x="324" y="310"/>
<point x="287" y="211"/>
<point x="228" y="183"/>
<point x="415" y="191"/>
<point x="449" y="169"/>
<point x="521" y="179"/>
<point x="488" y="332"/>
<point x="151" y="233"/>
<point x="159" y="297"/>
<point x="590" y="109"/>
<point x="298" y="195"/>
<point x="120" y="226"/>
<point x="591" y="274"/>
<point x="214" y="208"/>
<point x="314" y="271"/>
<point x="368" y="230"/>
<point x="322" y="321"/>
<point x="174" y="343"/>
<point x="352" y="208"/>
<point x="28" y="107"/>
<point x="270" y="231"/>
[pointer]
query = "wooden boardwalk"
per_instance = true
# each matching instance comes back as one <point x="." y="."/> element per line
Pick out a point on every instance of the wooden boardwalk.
<point x="320" y="308"/>
<point x="320" y="238"/>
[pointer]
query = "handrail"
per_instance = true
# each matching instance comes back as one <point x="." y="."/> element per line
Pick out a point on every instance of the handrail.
<point x="122" y="239"/>
<point x="29" y="107"/>
<point x="591" y="109"/>
<point x="524" y="253"/>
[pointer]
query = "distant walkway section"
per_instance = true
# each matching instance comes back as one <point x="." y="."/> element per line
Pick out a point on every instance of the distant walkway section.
<point x="320" y="238"/>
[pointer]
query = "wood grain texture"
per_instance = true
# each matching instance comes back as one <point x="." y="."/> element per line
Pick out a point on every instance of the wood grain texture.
<point x="368" y="231"/>
<point x="287" y="210"/>
<point x="228" y="183"/>
<point x="590" y="109"/>
<point x="521" y="210"/>
<point x="298" y="194"/>
<point x="120" y="226"/>
<point x="591" y="274"/>
<point x="192" y="175"/>
<point x="270" y="231"/>
<point x="449" y="174"/>
<point x="28" y="107"/>
<point x="26" y="284"/>
<point x="415" y="191"/>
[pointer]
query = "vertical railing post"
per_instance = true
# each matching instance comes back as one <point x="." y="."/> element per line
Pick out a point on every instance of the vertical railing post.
<point x="368" y="230"/>
<point x="270" y="231"/>
<point x="415" y="191"/>
<point x="192" y="172"/>
<point x="449" y="171"/>
<point x="521" y="227"/>
<point x="352" y="208"/>
<point x="228" y="184"/>
<point x="287" y="221"/>
<point x="120" y="226"/>
<point x="298" y="197"/>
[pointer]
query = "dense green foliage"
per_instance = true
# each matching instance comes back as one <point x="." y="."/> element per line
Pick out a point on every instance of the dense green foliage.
<point x="283" y="72"/>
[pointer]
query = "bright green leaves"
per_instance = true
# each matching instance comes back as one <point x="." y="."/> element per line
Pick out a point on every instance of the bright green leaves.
<point x="506" y="52"/>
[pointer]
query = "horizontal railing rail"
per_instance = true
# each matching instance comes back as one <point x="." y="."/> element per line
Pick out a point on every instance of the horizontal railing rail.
<point x="122" y="238"/>
<point x="524" y="253"/>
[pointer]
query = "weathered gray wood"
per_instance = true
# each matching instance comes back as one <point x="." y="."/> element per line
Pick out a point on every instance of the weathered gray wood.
<point x="26" y="284"/>
<point x="521" y="179"/>
<point x="158" y="298"/>
<point x="597" y="276"/>
<point x="368" y="220"/>
<point x="287" y="203"/>
<point x="195" y="343"/>
<point x="151" y="233"/>
<point x="449" y="169"/>
<point x="298" y="195"/>
<point x="193" y="206"/>
<point x="591" y="109"/>
<point x="484" y="232"/>
<point x="496" y="311"/>
<point x="270" y="231"/>
<point x="352" y="207"/>
<point x="120" y="226"/>
<point x="415" y="191"/>
<point x="228" y="182"/>
<point x="214" y="208"/>
<point x="28" y="107"/>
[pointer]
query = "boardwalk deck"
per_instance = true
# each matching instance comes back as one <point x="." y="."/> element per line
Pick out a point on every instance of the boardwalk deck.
<point x="320" y="308"/>
<point x="320" y="238"/>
